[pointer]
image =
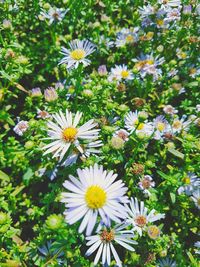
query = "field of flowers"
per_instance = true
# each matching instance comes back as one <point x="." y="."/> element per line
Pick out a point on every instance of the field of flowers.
<point x="99" y="141"/>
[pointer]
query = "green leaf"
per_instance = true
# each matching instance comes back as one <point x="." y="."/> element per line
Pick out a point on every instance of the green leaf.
<point x="173" y="197"/>
<point x="192" y="84"/>
<point x="4" y="176"/>
<point x="18" y="190"/>
<point x="193" y="261"/>
<point x="27" y="176"/>
<point x="163" y="175"/>
<point x="176" y="153"/>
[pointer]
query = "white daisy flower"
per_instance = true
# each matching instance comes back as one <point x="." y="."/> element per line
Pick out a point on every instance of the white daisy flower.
<point x="161" y="126"/>
<point x="131" y="120"/>
<point x="77" y="53"/>
<point x="148" y="64"/>
<point x="145" y="183"/>
<point x="94" y="193"/>
<point x="196" y="197"/>
<point x="138" y="217"/>
<point x="65" y="133"/>
<point x="191" y="181"/>
<point x="193" y="72"/>
<point x="168" y="109"/>
<point x="104" y="240"/>
<point x="21" y="127"/>
<point x="146" y="11"/>
<point x="173" y="14"/>
<point x="119" y="73"/>
<point x="167" y="262"/>
<point x="126" y="36"/>
<point x="179" y="125"/>
<point x="54" y="14"/>
<point x="181" y="54"/>
<point x="133" y="124"/>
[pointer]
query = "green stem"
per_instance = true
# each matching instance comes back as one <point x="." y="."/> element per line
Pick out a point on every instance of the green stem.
<point x="53" y="258"/>
<point x="78" y="82"/>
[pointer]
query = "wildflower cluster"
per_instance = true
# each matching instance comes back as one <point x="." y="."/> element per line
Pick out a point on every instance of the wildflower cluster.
<point x="99" y="133"/>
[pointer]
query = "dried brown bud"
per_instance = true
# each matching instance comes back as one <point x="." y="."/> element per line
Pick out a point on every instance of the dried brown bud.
<point x="137" y="168"/>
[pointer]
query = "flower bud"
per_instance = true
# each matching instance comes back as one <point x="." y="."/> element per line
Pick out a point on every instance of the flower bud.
<point x="50" y="94"/>
<point x="54" y="221"/>
<point x="117" y="142"/>
<point x="137" y="168"/>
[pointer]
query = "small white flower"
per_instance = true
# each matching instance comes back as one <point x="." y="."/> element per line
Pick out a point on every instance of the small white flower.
<point x="54" y="14"/>
<point x="21" y="127"/>
<point x="179" y="125"/>
<point x="77" y="53"/>
<point x="148" y="64"/>
<point x="66" y="133"/>
<point x="161" y="126"/>
<point x="181" y="54"/>
<point x="146" y="11"/>
<point x="94" y="193"/>
<point x="126" y="36"/>
<point x="119" y="73"/>
<point x="104" y="240"/>
<point x="193" y="72"/>
<point x="138" y="217"/>
<point x="145" y="183"/>
<point x="196" y="197"/>
<point x="191" y="181"/>
<point x="173" y="14"/>
<point x="133" y="124"/>
<point x="168" y="109"/>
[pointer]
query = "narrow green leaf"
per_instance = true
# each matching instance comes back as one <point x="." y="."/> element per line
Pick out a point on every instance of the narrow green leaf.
<point x="173" y="197"/>
<point x="176" y="153"/>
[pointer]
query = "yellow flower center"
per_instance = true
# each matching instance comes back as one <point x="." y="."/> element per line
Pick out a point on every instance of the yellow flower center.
<point x="198" y="201"/>
<point x="160" y="126"/>
<point x="77" y="54"/>
<point x="129" y="38"/>
<point x="192" y="71"/>
<point x="150" y="61"/>
<point x="140" y="126"/>
<point x="186" y="180"/>
<point x="153" y="231"/>
<point x="160" y="22"/>
<point x="95" y="197"/>
<point x="107" y="236"/>
<point x="183" y="55"/>
<point x="139" y="65"/>
<point x="69" y="134"/>
<point x="150" y="35"/>
<point x="124" y="74"/>
<point x="177" y="124"/>
<point x="141" y="220"/>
